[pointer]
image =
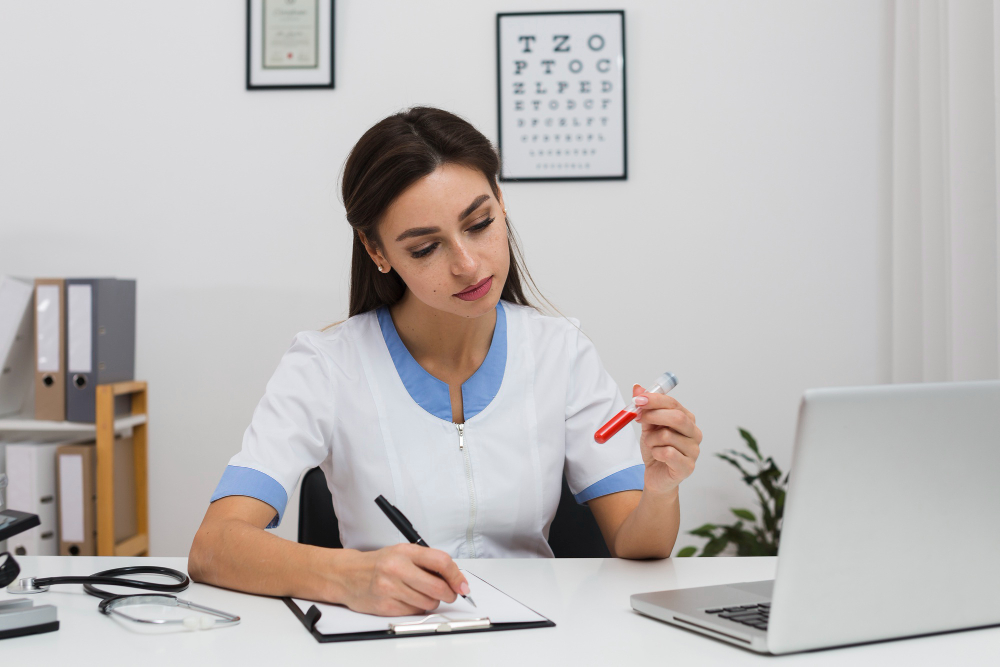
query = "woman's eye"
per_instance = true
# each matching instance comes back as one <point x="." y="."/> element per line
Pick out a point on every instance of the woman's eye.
<point x="423" y="252"/>
<point x="482" y="225"/>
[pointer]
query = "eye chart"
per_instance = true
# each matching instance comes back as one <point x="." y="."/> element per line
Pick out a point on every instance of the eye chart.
<point x="561" y="95"/>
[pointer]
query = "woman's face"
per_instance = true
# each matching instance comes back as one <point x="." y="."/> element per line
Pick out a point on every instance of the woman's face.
<point x="446" y="237"/>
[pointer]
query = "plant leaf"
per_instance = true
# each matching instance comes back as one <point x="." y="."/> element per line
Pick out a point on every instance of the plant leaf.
<point x="747" y="477"/>
<point x="744" y="514"/>
<point x="766" y="479"/>
<point x="745" y="457"/>
<point x="705" y="531"/>
<point x="714" y="547"/>
<point x="686" y="552"/>
<point x="768" y="517"/>
<point x="746" y="543"/>
<point x="751" y="442"/>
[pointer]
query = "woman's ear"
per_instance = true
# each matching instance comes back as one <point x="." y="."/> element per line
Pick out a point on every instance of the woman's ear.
<point x="374" y="253"/>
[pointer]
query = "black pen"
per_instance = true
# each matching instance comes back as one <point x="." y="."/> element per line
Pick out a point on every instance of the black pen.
<point x="406" y="528"/>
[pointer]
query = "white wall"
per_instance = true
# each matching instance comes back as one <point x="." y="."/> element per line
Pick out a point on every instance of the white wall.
<point x="745" y="252"/>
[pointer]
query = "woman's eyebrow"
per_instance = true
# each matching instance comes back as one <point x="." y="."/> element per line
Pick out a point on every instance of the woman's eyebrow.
<point x="472" y="207"/>
<point x="417" y="231"/>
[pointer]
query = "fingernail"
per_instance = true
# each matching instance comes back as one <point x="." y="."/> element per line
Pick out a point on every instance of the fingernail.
<point x="465" y="588"/>
<point x="641" y="400"/>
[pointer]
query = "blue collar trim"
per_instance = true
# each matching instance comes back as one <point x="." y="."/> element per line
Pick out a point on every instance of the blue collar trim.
<point x="431" y="393"/>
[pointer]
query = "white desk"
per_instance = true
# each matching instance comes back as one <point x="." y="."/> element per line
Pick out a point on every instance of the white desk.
<point x="588" y="600"/>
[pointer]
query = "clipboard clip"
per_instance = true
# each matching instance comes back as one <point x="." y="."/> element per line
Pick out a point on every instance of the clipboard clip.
<point x="439" y="623"/>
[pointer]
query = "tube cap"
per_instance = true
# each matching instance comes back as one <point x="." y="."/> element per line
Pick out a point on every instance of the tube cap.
<point x="667" y="381"/>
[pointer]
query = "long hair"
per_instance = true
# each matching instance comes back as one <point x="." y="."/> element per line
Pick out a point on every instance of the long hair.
<point x="391" y="156"/>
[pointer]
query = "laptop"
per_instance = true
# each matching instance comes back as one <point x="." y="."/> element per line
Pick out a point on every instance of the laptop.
<point x="891" y="526"/>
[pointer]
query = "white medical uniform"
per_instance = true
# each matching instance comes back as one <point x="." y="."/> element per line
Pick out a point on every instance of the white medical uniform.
<point x="354" y="401"/>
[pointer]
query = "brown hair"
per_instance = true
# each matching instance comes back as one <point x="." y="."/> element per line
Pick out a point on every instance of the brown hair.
<point x="394" y="154"/>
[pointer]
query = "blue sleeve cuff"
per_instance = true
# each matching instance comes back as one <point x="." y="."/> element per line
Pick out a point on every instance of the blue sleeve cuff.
<point x="629" y="479"/>
<point x="240" y="481"/>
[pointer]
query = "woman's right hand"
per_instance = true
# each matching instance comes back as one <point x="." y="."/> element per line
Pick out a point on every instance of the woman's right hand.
<point x="400" y="580"/>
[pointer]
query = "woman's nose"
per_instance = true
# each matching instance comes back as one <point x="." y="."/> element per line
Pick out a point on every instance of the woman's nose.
<point x="464" y="262"/>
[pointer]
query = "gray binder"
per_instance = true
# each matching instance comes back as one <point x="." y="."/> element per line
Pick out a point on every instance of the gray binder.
<point x="100" y="342"/>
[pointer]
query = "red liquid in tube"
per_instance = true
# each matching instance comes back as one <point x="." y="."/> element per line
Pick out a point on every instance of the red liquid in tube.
<point x="663" y="385"/>
<point x="616" y="424"/>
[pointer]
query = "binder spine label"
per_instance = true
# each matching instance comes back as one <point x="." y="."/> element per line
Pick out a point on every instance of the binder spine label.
<point x="71" y="497"/>
<point x="48" y="328"/>
<point x="79" y="302"/>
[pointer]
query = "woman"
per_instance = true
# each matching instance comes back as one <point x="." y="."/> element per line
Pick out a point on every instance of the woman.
<point x="446" y="392"/>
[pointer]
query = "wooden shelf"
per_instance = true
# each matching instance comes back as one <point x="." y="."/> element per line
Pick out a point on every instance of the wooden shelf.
<point x="19" y="423"/>
<point x="138" y="544"/>
<point x="103" y="431"/>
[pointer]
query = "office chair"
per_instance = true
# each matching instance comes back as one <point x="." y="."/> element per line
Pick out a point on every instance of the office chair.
<point x="574" y="532"/>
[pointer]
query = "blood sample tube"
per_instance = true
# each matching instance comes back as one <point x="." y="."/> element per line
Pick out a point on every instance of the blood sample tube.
<point x="663" y="385"/>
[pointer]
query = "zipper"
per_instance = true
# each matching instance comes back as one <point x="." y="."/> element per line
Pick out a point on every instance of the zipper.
<point x="472" y="490"/>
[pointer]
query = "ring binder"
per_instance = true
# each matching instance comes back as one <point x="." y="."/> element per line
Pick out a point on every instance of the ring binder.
<point x="50" y="349"/>
<point x="16" y="333"/>
<point x="100" y="343"/>
<point x="444" y="625"/>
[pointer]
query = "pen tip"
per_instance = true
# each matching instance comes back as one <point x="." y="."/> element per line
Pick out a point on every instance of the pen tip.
<point x="471" y="601"/>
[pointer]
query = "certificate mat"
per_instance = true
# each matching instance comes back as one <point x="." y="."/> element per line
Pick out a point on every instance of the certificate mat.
<point x="338" y="623"/>
<point x="316" y="75"/>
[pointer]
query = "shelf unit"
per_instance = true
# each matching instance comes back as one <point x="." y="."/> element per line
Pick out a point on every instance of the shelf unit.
<point x="104" y="430"/>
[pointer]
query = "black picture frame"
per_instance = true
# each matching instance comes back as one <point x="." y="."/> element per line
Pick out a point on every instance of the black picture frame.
<point x="506" y="177"/>
<point x="324" y="85"/>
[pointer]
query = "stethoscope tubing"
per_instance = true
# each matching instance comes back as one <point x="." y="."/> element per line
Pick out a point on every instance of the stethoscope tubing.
<point x="112" y="578"/>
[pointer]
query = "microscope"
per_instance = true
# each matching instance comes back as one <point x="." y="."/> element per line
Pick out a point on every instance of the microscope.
<point x="19" y="616"/>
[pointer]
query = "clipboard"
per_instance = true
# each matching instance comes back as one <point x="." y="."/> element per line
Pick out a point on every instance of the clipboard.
<point x="435" y="623"/>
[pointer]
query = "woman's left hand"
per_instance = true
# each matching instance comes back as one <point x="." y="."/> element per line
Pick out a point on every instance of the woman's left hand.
<point x="670" y="440"/>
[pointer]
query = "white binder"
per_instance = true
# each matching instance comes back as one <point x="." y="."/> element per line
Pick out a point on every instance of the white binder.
<point x="16" y="327"/>
<point x="31" y="487"/>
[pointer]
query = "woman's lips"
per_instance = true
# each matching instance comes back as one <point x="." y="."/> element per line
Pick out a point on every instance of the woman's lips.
<point x="477" y="291"/>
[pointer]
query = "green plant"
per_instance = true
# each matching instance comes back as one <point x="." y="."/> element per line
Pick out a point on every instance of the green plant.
<point x="758" y="538"/>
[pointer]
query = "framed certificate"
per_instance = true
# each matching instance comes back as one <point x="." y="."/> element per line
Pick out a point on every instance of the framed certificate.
<point x="561" y="96"/>
<point x="290" y="44"/>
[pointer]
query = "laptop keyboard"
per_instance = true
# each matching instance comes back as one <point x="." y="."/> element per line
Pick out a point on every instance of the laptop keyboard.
<point x="754" y="615"/>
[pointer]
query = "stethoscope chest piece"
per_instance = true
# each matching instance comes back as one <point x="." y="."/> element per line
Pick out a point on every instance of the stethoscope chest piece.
<point x="26" y="586"/>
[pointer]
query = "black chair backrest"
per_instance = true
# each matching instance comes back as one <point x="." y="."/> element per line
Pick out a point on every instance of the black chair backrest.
<point x="318" y="524"/>
<point x="574" y="532"/>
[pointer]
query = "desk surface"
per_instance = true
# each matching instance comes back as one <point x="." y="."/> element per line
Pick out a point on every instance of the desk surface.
<point x="587" y="598"/>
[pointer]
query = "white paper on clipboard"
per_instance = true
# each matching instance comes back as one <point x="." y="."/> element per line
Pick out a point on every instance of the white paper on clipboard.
<point x="490" y="602"/>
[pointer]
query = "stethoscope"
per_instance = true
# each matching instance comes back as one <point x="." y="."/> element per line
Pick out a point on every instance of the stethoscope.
<point x="112" y="604"/>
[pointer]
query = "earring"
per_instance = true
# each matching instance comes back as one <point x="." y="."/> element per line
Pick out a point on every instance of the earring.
<point x="380" y="269"/>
